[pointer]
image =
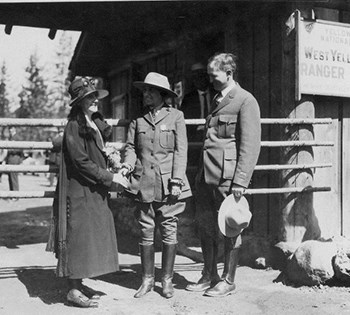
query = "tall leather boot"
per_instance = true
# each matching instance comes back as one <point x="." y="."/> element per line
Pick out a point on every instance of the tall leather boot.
<point x="226" y="286"/>
<point x="168" y="260"/>
<point x="209" y="273"/>
<point x="147" y="262"/>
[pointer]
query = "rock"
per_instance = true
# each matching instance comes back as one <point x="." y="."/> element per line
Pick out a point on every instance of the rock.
<point x="281" y="252"/>
<point x="260" y="263"/>
<point x="341" y="265"/>
<point x="311" y="263"/>
<point x="255" y="247"/>
<point x="342" y="243"/>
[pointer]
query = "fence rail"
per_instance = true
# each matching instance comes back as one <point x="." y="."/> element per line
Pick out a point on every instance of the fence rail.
<point x="43" y="122"/>
<point x="54" y="169"/>
<point x="44" y="145"/>
<point x="253" y="191"/>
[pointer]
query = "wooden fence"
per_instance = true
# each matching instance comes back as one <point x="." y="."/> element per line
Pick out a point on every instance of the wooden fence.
<point x="35" y="145"/>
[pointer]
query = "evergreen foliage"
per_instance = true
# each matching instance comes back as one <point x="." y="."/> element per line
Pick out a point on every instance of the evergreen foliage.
<point x="4" y="101"/>
<point x="58" y="95"/>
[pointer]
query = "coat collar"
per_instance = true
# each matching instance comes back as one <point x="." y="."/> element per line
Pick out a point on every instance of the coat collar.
<point x="97" y="137"/>
<point x="99" y="140"/>
<point x="227" y="99"/>
<point x="164" y="111"/>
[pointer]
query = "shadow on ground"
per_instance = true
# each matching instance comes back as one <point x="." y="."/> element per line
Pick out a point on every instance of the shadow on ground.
<point x="130" y="277"/>
<point x="42" y="283"/>
<point x="30" y="226"/>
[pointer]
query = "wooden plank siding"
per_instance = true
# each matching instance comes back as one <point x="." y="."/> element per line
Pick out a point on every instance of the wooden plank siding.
<point x="345" y="159"/>
<point x="330" y="210"/>
<point x="120" y="94"/>
<point x="275" y="61"/>
<point x="259" y="53"/>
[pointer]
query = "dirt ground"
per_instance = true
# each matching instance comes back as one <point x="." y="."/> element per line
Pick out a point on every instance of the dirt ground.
<point x="28" y="284"/>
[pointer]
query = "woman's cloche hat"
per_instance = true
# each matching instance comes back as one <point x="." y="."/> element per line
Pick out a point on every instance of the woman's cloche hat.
<point x="234" y="216"/>
<point x="156" y="80"/>
<point x="82" y="87"/>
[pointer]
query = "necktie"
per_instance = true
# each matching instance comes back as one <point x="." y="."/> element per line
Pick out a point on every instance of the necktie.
<point x="205" y="104"/>
<point x="217" y="99"/>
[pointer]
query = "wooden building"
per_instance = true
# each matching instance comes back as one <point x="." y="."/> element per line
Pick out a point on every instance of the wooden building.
<point x="122" y="41"/>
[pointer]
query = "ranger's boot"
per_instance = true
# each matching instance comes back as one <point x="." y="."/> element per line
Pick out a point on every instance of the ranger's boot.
<point x="226" y="286"/>
<point x="209" y="273"/>
<point x="168" y="260"/>
<point x="147" y="262"/>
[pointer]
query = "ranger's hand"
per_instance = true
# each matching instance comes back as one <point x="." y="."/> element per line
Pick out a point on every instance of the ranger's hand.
<point x="125" y="170"/>
<point x="121" y="180"/>
<point x="237" y="191"/>
<point x="175" y="190"/>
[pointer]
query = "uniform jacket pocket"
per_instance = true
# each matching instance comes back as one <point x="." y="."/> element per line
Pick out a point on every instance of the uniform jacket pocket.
<point x="230" y="159"/>
<point x="227" y="126"/>
<point x="167" y="138"/>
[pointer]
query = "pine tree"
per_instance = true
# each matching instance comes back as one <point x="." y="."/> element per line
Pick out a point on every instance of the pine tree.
<point x="4" y="102"/>
<point x="36" y="89"/>
<point x="33" y="99"/>
<point x="58" y="96"/>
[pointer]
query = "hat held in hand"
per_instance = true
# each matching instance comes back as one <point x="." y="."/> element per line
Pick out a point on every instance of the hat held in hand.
<point x="82" y="87"/>
<point x="234" y="216"/>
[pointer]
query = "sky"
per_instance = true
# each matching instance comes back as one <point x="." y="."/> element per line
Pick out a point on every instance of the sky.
<point x="16" y="48"/>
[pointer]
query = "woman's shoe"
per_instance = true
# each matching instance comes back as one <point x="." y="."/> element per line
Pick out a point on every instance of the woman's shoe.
<point x="91" y="293"/>
<point x="78" y="299"/>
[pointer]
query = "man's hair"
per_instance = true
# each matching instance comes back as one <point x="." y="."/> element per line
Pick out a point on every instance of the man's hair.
<point x="225" y="62"/>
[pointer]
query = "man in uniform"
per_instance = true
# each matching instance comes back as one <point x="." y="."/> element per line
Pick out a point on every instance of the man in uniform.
<point x="230" y="152"/>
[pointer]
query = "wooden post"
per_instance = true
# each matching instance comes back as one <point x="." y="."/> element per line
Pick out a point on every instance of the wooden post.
<point x="297" y="213"/>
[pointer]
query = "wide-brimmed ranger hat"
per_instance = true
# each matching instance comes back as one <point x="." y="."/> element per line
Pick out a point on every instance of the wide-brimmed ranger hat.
<point x="156" y="80"/>
<point x="234" y="216"/>
<point x="82" y="87"/>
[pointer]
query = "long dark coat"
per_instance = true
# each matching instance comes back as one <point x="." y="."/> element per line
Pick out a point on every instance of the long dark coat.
<point x="158" y="150"/>
<point x="91" y="237"/>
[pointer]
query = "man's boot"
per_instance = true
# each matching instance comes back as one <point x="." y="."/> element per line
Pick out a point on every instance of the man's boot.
<point x="209" y="273"/>
<point x="147" y="262"/>
<point x="226" y="286"/>
<point x="168" y="260"/>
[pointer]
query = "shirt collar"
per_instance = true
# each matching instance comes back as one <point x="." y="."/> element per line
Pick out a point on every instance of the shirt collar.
<point x="200" y="92"/>
<point x="228" y="89"/>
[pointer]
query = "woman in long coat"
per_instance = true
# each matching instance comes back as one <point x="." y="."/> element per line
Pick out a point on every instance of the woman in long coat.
<point x="156" y="156"/>
<point x="86" y="244"/>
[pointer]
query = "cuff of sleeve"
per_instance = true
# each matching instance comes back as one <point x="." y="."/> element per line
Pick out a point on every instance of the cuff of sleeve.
<point x="176" y="181"/>
<point x="128" y="166"/>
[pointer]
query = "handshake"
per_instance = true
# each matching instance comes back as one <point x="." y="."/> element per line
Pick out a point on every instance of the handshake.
<point x="120" y="178"/>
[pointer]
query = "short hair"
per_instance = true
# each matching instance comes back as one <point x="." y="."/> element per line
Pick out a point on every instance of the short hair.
<point x="225" y="62"/>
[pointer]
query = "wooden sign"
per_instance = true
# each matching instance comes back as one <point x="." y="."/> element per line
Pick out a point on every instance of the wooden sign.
<point x="323" y="58"/>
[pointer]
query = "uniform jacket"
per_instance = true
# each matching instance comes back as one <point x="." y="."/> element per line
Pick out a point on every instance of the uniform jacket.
<point x="88" y="247"/>
<point x="157" y="149"/>
<point x="232" y="139"/>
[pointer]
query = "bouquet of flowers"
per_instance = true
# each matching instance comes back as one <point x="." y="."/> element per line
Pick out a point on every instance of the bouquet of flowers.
<point x="113" y="158"/>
